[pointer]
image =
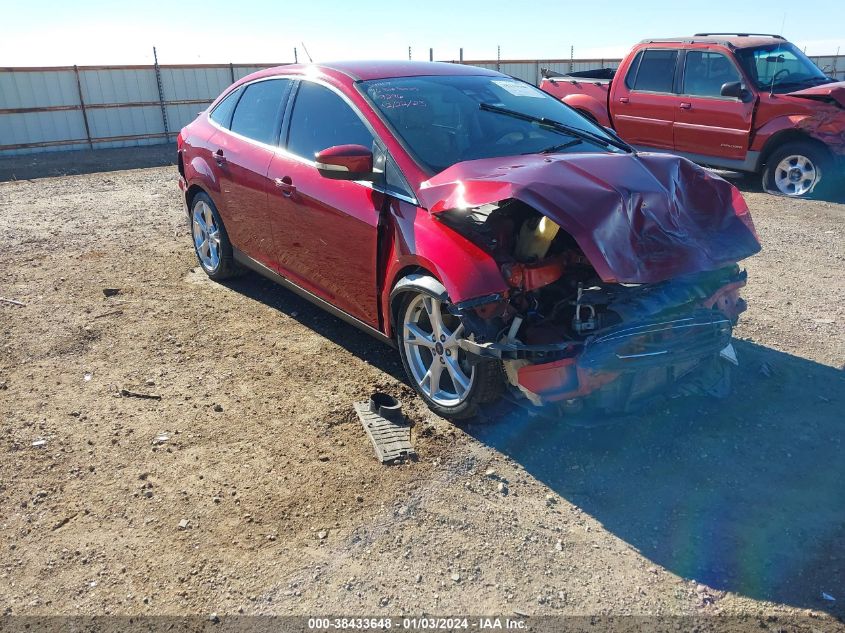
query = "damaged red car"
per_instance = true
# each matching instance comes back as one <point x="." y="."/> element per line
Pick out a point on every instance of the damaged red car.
<point x="501" y="241"/>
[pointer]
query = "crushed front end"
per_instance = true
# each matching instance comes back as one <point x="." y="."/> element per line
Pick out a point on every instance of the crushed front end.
<point x="622" y="272"/>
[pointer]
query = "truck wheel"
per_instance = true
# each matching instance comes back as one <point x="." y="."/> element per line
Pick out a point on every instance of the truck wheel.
<point x="797" y="170"/>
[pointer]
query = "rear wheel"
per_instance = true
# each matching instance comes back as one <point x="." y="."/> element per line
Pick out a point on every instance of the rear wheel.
<point x="440" y="371"/>
<point x="211" y="242"/>
<point x="797" y="170"/>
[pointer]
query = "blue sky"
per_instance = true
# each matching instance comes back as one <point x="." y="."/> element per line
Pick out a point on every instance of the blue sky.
<point x="184" y="31"/>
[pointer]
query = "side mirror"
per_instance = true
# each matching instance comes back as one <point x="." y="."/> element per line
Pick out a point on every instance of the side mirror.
<point x="345" y="162"/>
<point x="735" y="89"/>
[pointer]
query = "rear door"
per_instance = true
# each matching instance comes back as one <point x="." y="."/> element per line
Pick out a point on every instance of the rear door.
<point x="325" y="231"/>
<point x="708" y="123"/>
<point x="643" y="104"/>
<point x="242" y="154"/>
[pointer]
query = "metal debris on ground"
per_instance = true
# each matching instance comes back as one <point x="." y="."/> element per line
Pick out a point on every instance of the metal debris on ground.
<point x="387" y="427"/>
<point x="13" y="302"/>
<point x="134" y="394"/>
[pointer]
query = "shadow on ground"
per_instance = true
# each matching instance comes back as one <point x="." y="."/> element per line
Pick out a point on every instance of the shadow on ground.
<point x="745" y="495"/>
<point x="362" y="345"/>
<point x="51" y="164"/>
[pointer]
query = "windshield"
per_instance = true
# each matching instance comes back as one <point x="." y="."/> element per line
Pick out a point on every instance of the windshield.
<point x="442" y="121"/>
<point x="780" y="67"/>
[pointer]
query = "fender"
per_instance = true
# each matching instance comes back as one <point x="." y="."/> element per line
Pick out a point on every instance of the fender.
<point x="778" y="125"/>
<point x="199" y="172"/>
<point x="591" y="105"/>
<point x="417" y="240"/>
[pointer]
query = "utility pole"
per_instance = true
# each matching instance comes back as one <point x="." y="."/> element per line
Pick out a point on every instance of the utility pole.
<point x="409" y="53"/>
<point x="498" y="57"/>
<point x="461" y="55"/>
<point x="431" y="54"/>
<point x="295" y="56"/>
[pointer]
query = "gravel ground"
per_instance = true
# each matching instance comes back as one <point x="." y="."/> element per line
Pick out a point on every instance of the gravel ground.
<point x="250" y="487"/>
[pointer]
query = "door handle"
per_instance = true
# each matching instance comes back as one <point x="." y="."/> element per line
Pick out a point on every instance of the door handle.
<point x="286" y="186"/>
<point x="685" y="106"/>
<point x="623" y="99"/>
<point x="219" y="157"/>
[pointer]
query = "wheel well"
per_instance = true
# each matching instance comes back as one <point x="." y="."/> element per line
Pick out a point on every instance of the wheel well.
<point x="587" y="114"/>
<point x="784" y="137"/>
<point x="394" y="303"/>
<point x="192" y="191"/>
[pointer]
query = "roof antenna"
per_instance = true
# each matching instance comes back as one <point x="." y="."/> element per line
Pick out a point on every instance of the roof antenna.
<point x="777" y="50"/>
<point x="308" y="55"/>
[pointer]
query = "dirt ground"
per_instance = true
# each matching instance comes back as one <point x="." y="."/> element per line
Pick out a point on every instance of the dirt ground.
<point x="696" y="507"/>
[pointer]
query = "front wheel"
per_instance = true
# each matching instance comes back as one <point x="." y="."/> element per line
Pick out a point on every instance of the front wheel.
<point x="797" y="170"/>
<point x="429" y="338"/>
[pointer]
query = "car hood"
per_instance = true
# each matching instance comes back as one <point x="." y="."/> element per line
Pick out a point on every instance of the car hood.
<point x="834" y="91"/>
<point x="638" y="218"/>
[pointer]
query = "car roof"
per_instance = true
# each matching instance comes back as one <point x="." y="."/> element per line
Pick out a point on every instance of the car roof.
<point x="733" y="40"/>
<point x="365" y="70"/>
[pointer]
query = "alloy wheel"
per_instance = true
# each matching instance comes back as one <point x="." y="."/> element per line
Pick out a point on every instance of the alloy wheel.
<point x="431" y="338"/>
<point x="795" y="175"/>
<point x="206" y="236"/>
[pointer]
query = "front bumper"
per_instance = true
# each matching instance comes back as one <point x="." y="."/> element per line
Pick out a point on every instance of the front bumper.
<point x="663" y="348"/>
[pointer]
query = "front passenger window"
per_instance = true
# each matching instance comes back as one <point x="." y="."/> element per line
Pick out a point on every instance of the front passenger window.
<point x="704" y="73"/>
<point x="322" y="119"/>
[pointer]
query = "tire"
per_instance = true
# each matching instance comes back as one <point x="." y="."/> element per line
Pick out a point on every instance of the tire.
<point x="798" y="170"/>
<point x="211" y="242"/>
<point x="462" y="387"/>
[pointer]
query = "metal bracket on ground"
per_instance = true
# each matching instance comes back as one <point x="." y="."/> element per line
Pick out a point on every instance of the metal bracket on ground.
<point x="386" y="427"/>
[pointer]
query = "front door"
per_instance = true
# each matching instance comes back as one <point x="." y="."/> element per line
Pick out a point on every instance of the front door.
<point x="325" y="231"/>
<point x="707" y="123"/>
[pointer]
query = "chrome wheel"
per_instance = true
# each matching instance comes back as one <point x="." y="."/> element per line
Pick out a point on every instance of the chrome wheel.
<point x="437" y="363"/>
<point x="795" y="175"/>
<point x="206" y="236"/>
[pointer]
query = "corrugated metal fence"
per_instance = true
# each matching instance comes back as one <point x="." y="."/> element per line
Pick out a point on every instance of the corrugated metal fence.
<point x="69" y="107"/>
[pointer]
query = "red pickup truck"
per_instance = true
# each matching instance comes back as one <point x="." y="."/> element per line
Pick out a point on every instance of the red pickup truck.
<point x="742" y="102"/>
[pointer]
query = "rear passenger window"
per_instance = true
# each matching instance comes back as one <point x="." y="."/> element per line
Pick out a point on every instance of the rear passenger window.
<point x="222" y="113"/>
<point x="322" y="119"/>
<point x="656" y="71"/>
<point x="259" y="111"/>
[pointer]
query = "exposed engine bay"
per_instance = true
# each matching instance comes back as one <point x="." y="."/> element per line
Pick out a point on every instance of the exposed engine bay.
<point x="563" y="332"/>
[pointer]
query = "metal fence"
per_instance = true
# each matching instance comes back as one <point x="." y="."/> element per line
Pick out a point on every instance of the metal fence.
<point x="70" y="107"/>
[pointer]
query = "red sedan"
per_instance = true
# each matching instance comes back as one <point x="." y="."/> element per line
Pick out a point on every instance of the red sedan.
<point x="499" y="239"/>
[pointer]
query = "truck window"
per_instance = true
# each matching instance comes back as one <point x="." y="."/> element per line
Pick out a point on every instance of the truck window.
<point x="656" y="70"/>
<point x="705" y="72"/>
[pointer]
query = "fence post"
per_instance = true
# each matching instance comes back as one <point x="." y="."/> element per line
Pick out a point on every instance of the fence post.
<point x="82" y="107"/>
<point x="161" y="96"/>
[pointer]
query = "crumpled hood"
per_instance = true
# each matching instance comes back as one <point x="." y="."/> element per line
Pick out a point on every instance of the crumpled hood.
<point x="638" y="219"/>
<point x="835" y="91"/>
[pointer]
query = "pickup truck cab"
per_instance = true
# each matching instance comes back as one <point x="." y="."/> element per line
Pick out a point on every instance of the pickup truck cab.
<point x="742" y="102"/>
